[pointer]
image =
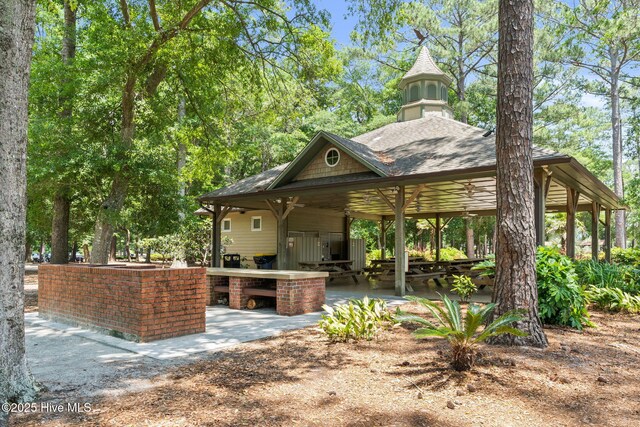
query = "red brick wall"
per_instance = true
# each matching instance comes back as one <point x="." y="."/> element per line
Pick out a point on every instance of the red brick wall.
<point x="300" y="296"/>
<point x="137" y="304"/>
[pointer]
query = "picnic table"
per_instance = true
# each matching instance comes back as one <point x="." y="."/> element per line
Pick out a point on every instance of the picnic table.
<point x="335" y="268"/>
<point x="384" y="271"/>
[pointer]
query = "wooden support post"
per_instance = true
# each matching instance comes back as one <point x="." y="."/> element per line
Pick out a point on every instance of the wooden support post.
<point x="572" y="206"/>
<point x="607" y="235"/>
<point x="541" y="187"/>
<point x="438" y="236"/>
<point x="595" y="222"/>
<point x="283" y="236"/>
<point x="216" y="239"/>
<point x="383" y="238"/>
<point x="400" y="243"/>
<point x="346" y="242"/>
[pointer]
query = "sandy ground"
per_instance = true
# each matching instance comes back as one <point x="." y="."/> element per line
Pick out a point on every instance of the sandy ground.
<point x="299" y="378"/>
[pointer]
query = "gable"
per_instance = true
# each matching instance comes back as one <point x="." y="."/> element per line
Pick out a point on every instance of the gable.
<point x="318" y="167"/>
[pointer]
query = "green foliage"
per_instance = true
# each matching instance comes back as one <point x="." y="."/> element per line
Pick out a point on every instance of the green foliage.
<point x="451" y="253"/>
<point x="464" y="287"/>
<point x="462" y="331"/>
<point x="561" y="300"/>
<point x="487" y="267"/>
<point x="613" y="299"/>
<point x="356" y="320"/>
<point x="628" y="256"/>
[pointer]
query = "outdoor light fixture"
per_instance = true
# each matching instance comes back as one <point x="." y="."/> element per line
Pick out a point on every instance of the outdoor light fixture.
<point x="347" y="212"/>
<point x="395" y="190"/>
<point x="470" y="188"/>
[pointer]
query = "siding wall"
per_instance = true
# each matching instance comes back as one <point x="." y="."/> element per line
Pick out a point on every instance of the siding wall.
<point x="247" y="243"/>
<point x="318" y="168"/>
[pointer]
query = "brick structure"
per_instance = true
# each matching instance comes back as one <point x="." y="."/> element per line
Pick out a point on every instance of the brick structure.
<point x="297" y="292"/>
<point x="299" y="296"/>
<point x="131" y="303"/>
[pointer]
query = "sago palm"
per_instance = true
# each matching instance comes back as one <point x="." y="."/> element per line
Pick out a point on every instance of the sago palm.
<point x="462" y="331"/>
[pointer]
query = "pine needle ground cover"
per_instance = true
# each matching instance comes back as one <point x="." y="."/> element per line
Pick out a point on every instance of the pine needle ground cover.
<point x="585" y="377"/>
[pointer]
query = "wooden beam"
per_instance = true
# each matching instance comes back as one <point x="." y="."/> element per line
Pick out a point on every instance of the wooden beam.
<point x="290" y="206"/>
<point x="272" y="208"/>
<point x="607" y="235"/>
<point x="216" y="237"/>
<point x="595" y="221"/>
<point x="384" y="199"/>
<point x="438" y="237"/>
<point x="572" y="205"/>
<point x="413" y="196"/>
<point x="541" y="188"/>
<point x="282" y="239"/>
<point x="383" y="239"/>
<point x="223" y="213"/>
<point x="400" y="287"/>
<point x="347" y="237"/>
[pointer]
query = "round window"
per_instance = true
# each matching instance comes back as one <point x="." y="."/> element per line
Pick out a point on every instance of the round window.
<point x="332" y="157"/>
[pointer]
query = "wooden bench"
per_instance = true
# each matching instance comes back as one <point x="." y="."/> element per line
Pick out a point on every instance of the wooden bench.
<point x="221" y="288"/>
<point x="260" y="292"/>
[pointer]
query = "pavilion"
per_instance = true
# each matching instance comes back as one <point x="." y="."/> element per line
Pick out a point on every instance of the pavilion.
<point x="426" y="165"/>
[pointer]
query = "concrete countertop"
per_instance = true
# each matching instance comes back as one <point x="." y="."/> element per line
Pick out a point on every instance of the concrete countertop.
<point x="266" y="274"/>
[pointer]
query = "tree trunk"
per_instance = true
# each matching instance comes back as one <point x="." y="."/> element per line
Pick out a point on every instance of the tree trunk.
<point x="515" y="283"/>
<point x="470" y="239"/>
<point x="113" y="249"/>
<point x="147" y="258"/>
<point x="17" y="22"/>
<point x="86" y="253"/>
<point x="27" y="250"/>
<point x="60" y="229"/>
<point x="106" y="219"/>
<point x="61" y="200"/>
<point x="618" y="184"/>
<point x="74" y="251"/>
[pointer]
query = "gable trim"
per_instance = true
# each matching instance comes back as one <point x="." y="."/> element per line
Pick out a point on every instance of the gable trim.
<point x="309" y="152"/>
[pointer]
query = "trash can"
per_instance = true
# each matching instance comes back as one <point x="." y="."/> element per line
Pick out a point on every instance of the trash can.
<point x="231" y="261"/>
<point x="264" y="261"/>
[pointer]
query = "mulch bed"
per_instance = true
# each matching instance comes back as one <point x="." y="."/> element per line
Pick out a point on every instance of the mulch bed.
<point x="299" y="378"/>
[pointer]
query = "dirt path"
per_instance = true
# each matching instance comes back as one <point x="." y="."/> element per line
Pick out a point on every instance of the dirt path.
<point x="298" y="378"/>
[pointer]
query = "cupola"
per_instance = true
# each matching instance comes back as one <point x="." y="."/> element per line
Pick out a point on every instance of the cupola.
<point x="425" y="90"/>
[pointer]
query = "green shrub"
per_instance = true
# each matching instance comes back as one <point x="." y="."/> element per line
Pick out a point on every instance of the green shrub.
<point x="629" y="256"/>
<point x="613" y="299"/>
<point x="486" y="267"/>
<point x="464" y="287"/>
<point x="605" y="275"/>
<point x="356" y="320"/>
<point x="561" y="299"/>
<point x="373" y="254"/>
<point x="450" y="253"/>
<point x="461" y="331"/>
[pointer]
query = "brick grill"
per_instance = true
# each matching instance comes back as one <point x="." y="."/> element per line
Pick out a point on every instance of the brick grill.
<point x="294" y="296"/>
<point x="136" y="304"/>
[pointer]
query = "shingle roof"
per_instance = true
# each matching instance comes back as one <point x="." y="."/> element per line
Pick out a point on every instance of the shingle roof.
<point x="434" y="144"/>
<point x="427" y="145"/>
<point x="424" y="65"/>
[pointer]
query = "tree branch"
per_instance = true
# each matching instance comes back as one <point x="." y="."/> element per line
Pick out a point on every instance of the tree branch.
<point x="124" y="8"/>
<point x="154" y="15"/>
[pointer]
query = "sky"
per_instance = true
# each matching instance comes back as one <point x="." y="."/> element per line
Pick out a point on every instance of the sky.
<point x="341" y="26"/>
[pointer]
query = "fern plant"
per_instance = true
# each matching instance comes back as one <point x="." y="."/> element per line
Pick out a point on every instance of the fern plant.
<point x="464" y="287"/>
<point x="356" y="320"/>
<point x="462" y="332"/>
<point x="613" y="299"/>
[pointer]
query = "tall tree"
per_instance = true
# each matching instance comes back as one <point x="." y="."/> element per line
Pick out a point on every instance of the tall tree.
<point x="261" y="30"/>
<point x="516" y="286"/>
<point x="62" y="197"/>
<point x="603" y="38"/>
<point x="17" y="21"/>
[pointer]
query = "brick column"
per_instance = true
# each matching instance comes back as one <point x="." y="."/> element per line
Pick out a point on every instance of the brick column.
<point x="299" y="296"/>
